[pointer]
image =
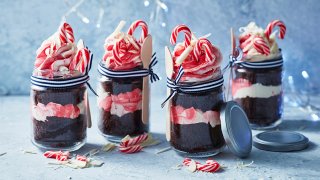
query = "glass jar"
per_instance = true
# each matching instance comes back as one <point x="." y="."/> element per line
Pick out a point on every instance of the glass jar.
<point x="259" y="93"/>
<point x="195" y="128"/>
<point x="59" y="115"/>
<point x="120" y="107"/>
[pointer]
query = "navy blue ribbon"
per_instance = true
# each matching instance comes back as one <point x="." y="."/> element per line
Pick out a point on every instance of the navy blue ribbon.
<point x="255" y="65"/>
<point x="190" y="88"/>
<point x="64" y="83"/>
<point x="132" y="73"/>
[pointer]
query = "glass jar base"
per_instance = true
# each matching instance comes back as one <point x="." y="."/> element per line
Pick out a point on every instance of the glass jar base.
<point x="262" y="127"/>
<point x="200" y="154"/>
<point x="73" y="147"/>
<point x="113" y="139"/>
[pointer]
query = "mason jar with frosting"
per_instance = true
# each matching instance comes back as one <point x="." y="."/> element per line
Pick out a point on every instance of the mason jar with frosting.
<point x="59" y="100"/>
<point x="257" y="79"/>
<point x="123" y="88"/>
<point x="195" y="95"/>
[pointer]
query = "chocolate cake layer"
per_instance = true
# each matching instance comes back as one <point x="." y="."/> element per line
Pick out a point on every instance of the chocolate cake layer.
<point x="262" y="111"/>
<point x="122" y="85"/>
<point x="61" y="96"/>
<point x="266" y="77"/>
<point x="195" y="138"/>
<point x="60" y="132"/>
<point x="128" y="124"/>
<point x="198" y="137"/>
<point x="205" y="101"/>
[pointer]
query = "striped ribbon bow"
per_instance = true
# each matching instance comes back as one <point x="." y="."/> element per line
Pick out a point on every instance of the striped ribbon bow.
<point x="255" y="65"/>
<point x="64" y="83"/>
<point x="190" y="88"/>
<point x="132" y="73"/>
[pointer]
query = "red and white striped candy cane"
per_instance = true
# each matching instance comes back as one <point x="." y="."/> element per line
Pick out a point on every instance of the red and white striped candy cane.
<point x="66" y="33"/>
<point x="134" y="141"/>
<point x="204" y="44"/>
<point x="211" y="167"/>
<point x="261" y="46"/>
<point x="177" y="30"/>
<point x="62" y="158"/>
<point x="187" y="161"/>
<point x="130" y="149"/>
<point x="52" y="154"/>
<point x="144" y="27"/>
<point x="58" y="155"/>
<point x="81" y="158"/>
<point x="116" y="52"/>
<point x="84" y="60"/>
<point x="272" y="25"/>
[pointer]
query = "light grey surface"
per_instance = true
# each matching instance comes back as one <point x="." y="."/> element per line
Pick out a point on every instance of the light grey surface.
<point x="14" y="137"/>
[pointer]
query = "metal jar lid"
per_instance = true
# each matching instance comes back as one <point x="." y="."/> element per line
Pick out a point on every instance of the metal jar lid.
<point x="236" y="129"/>
<point x="280" y="141"/>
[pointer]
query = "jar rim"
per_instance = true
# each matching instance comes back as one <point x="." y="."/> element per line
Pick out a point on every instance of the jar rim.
<point x="56" y="75"/>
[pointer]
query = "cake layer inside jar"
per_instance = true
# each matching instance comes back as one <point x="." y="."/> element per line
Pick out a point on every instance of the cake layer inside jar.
<point x="60" y="131"/>
<point x="123" y="114"/>
<point x="259" y="92"/>
<point x="197" y="136"/>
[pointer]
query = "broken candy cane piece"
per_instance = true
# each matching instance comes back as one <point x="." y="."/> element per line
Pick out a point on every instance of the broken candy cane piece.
<point x="56" y="154"/>
<point x="127" y="141"/>
<point x="210" y="166"/>
<point x="130" y="149"/>
<point x="81" y="158"/>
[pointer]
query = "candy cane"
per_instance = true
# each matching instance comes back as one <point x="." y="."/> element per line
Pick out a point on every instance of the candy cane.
<point x="261" y="46"/>
<point x="210" y="166"/>
<point x="144" y="27"/>
<point x="62" y="158"/>
<point x="66" y="33"/>
<point x="177" y="30"/>
<point x="115" y="52"/>
<point x="58" y="155"/>
<point x="134" y="141"/>
<point x="187" y="161"/>
<point x="272" y="25"/>
<point x="204" y="44"/>
<point x="213" y="167"/>
<point x="54" y="154"/>
<point x="130" y="149"/>
<point x="81" y="158"/>
<point x="80" y="61"/>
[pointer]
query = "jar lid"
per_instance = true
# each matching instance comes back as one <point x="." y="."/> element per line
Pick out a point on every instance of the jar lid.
<point x="280" y="141"/>
<point x="236" y="129"/>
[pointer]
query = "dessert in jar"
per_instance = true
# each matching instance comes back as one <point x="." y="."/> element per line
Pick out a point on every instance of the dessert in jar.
<point x="59" y="101"/>
<point x="123" y="89"/>
<point x="257" y="79"/>
<point x="195" y="95"/>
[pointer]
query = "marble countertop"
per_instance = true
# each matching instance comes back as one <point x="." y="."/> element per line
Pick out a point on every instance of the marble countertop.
<point x="15" y="164"/>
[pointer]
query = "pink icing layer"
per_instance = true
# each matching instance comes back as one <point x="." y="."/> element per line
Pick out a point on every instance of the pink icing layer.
<point x="180" y="115"/>
<point x="56" y="110"/>
<point x="122" y="103"/>
<point x="128" y="50"/>
<point x="197" y="68"/>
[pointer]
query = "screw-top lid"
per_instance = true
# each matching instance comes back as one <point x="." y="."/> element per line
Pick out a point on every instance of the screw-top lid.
<point x="236" y="129"/>
<point x="280" y="141"/>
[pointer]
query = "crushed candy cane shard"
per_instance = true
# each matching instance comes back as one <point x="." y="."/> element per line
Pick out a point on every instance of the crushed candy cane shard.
<point x="130" y="149"/>
<point x="134" y="141"/>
